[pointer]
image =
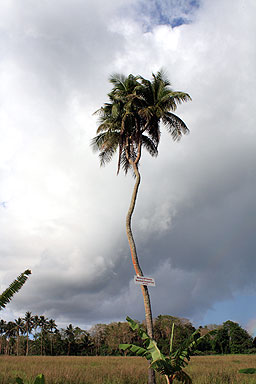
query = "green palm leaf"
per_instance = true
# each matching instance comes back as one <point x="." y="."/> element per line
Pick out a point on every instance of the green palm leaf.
<point x="13" y="288"/>
<point x="175" y="126"/>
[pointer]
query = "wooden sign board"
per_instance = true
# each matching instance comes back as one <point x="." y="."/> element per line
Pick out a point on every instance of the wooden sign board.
<point x="142" y="280"/>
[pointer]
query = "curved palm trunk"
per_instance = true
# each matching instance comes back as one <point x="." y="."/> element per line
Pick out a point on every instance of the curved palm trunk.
<point x="136" y="265"/>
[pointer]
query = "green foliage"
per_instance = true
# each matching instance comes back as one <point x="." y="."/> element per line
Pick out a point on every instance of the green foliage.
<point x="171" y="365"/>
<point x="38" y="380"/>
<point x="131" y="118"/>
<point x="13" y="288"/>
<point x="104" y="339"/>
<point x="231" y="338"/>
<point x="163" y="330"/>
<point x="249" y="371"/>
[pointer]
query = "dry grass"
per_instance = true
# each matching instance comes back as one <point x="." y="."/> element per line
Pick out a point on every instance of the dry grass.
<point x="121" y="370"/>
<point x="79" y="370"/>
<point x="221" y="369"/>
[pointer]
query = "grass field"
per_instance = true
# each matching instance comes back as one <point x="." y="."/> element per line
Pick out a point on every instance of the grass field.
<point x="121" y="370"/>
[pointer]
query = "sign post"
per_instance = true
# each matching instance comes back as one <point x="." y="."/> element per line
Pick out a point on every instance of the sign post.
<point x="142" y="280"/>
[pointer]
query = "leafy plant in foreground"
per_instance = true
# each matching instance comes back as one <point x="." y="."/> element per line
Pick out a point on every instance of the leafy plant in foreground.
<point x="38" y="380"/>
<point x="13" y="288"/>
<point x="249" y="371"/>
<point x="171" y="366"/>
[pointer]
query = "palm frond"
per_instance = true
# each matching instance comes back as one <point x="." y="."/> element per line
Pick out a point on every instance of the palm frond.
<point x="181" y="97"/>
<point x="124" y="163"/>
<point x="106" y="155"/>
<point x="146" y="113"/>
<point x="104" y="140"/>
<point x="13" y="288"/>
<point x="149" y="145"/>
<point x="117" y="79"/>
<point x="175" y="126"/>
<point x="98" y="141"/>
<point x="161" y="75"/>
<point x="106" y="143"/>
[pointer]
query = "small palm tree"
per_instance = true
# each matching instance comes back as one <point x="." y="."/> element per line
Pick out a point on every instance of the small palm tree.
<point x="43" y="324"/>
<point x="9" y="334"/>
<point x="19" y="328"/>
<point x="36" y="322"/>
<point x="29" y="324"/>
<point x="52" y="327"/>
<point x="2" y="332"/>
<point x="70" y="334"/>
<point x="129" y="122"/>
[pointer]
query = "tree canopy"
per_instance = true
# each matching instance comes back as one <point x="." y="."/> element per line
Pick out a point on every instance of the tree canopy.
<point x="131" y="119"/>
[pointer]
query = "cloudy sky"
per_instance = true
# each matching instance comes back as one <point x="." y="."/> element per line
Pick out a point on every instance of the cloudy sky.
<point x="63" y="216"/>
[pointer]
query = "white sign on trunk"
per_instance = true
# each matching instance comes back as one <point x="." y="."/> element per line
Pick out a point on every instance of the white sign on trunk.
<point x="142" y="280"/>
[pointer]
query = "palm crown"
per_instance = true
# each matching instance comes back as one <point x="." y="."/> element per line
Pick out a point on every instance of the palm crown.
<point x="131" y="119"/>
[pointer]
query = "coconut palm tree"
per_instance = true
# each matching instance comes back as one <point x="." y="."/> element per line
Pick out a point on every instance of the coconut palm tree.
<point x="29" y="325"/>
<point x="52" y="327"/>
<point x="70" y="335"/>
<point x="36" y="322"/>
<point x="43" y="324"/>
<point x="19" y="328"/>
<point x="2" y="332"/>
<point x="129" y="122"/>
<point x="10" y="334"/>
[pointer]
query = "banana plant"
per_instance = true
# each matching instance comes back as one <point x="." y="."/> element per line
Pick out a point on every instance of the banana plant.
<point x="38" y="380"/>
<point x="13" y="288"/>
<point x="170" y="366"/>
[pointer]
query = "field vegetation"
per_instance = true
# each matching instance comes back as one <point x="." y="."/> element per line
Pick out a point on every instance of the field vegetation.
<point x="36" y="335"/>
<point x="121" y="370"/>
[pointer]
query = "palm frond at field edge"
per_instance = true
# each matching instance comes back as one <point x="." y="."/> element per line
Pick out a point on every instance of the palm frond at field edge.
<point x="13" y="288"/>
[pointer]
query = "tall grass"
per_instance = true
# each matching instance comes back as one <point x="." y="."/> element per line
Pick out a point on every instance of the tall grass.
<point x="221" y="369"/>
<point x="121" y="370"/>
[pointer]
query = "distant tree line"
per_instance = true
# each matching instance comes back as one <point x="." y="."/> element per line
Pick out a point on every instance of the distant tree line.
<point x="38" y="335"/>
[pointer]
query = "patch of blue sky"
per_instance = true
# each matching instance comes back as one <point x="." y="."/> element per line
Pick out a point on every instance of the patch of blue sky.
<point x="239" y="309"/>
<point x="165" y="12"/>
<point x="178" y="21"/>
